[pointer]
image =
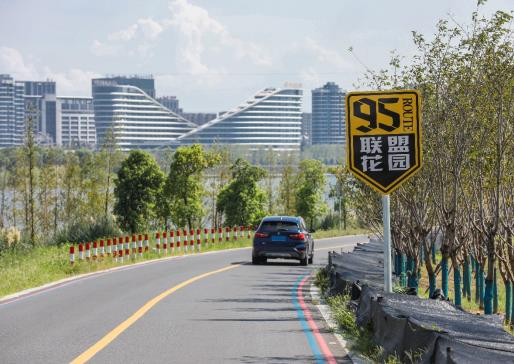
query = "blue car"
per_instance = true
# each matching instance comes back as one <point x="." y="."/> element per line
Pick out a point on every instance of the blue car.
<point x="282" y="237"/>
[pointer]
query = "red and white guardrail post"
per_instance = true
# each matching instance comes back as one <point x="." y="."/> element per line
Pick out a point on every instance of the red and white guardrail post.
<point x="199" y="240"/>
<point x="109" y="247"/>
<point x="235" y="233"/>
<point x="158" y="243"/>
<point x="81" y="251"/>
<point x="186" y="242"/>
<point x="147" y="247"/>
<point x="115" y="249"/>
<point x="88" y="251"/>
<point x="95" y="250"/>
<point x="172" y="242"/>
<point x="140" y="245"/>
<point x="227" y="233"/>
<point x="192" y="240"/>
<point x="127" y="247"/>
<point x="178" y="240"/>
<point x="165" y="242"/>
<point x="102" y="248"/>
<point x="134" y="247"/>
<point x="72" y="254"/>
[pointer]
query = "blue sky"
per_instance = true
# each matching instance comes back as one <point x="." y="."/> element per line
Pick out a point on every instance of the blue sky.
<point x="213" y="54"/>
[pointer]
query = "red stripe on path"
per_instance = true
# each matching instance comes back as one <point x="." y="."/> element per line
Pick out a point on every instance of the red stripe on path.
<point x="314" y="328"/>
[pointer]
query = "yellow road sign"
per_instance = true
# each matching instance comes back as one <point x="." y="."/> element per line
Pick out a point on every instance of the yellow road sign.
<point x="383" y="137"/>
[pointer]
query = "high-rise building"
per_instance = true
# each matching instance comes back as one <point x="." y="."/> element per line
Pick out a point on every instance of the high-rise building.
<point x="41" y="103"/>
<point x="12" y="111"/>
<point x="328" y="115"/>
<point x="126" y="105"/>
<point x="77" y="121"/>
<point x="171" y="102"/>
<point x="271" y="118"/>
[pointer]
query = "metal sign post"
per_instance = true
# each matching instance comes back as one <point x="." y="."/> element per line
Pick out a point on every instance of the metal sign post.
<point x="388" y="280"/>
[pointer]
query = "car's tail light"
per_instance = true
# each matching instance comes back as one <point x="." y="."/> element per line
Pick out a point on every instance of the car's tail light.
<point x="300" y="236"/>
<point x="261" y="235"/>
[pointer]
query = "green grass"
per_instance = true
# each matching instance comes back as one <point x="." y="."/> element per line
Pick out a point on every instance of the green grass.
<point x="30" y="268"/>
<point x="360" y="338"/>
<point x="320" y="234"/>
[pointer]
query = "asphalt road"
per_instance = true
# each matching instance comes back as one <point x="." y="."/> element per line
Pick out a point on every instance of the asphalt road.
<point x="245" y="314"/>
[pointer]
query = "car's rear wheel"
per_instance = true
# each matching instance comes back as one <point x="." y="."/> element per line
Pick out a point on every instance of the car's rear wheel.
<point x="255" y="260"/>
<point x="303" y="261"/>
<point x="311" y="259"/>
<point x="264" y="260"/>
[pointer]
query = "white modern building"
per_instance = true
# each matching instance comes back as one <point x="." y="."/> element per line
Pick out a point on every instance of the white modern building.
<point x="77" y="121"/>
<point x="270" y="118"/>
<point x="12" y="111"/>
<point x="126" y="105"/>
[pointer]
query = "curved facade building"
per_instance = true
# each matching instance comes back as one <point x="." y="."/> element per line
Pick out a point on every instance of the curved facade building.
<point x="137" y="120"/>
<point x="271" y="118"/>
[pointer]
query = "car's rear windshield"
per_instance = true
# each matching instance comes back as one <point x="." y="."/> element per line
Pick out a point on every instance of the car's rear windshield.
<point x="274" y="226"/>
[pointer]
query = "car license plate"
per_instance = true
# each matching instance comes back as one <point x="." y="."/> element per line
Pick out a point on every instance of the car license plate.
<point x="278" y="238"/>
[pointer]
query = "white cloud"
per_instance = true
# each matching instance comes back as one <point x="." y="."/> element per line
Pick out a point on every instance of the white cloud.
<point x="124" y="34"/>
<point x="146" y="28"/>
<point x="200" y="32"/>
<point x="12" y="62"/>
<point x="325" y="55"/>
<point x="72" y="82"/>
<point x="103" y="49"/>
<point x="199" y="37"/>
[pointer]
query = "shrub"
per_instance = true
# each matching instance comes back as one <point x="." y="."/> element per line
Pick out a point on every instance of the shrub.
<point x="83" y="231"/>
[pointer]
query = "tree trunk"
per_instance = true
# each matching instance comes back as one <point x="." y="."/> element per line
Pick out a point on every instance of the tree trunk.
<point x="444" y="275"/>
<point x="508" y="301"/>
<point x="467" y="278"/>
<point x="403" y="277"/>
<point x="495" y="292"/>
<point x="489" y="282"/>
<point x="457" y="283"/>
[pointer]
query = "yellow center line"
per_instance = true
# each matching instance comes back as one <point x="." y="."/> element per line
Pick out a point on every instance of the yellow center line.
<point x="107" y="339"/>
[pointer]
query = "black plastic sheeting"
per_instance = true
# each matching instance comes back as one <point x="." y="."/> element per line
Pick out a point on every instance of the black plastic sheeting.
<point x="418" y="330"/>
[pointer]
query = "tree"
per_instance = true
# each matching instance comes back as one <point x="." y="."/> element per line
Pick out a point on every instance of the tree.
<point x="242" y="201"/>
<point x="30" y="157"/>
<point x="287" y="187"/>
<point x="309" y="190"/>
<point x="110" y="156"/>
<point x="343" y="191"/>
<point x="138" y="184"/>
<point x="184" y="190"/>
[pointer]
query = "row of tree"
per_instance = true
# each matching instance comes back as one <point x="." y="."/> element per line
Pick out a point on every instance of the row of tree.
<point x="51" y="195"/>
<point x="146" y="197"/>
<point x="462" y="201"/>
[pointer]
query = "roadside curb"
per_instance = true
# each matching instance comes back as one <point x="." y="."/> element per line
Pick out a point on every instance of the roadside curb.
<point x="324" y="309"/>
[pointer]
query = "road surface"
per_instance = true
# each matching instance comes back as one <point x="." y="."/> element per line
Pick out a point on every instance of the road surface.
<point x="208" y="308"/>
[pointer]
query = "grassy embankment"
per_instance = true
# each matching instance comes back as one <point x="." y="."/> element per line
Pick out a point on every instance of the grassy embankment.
<point x="24" y="269"/>
<point x="360" y="339"/>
